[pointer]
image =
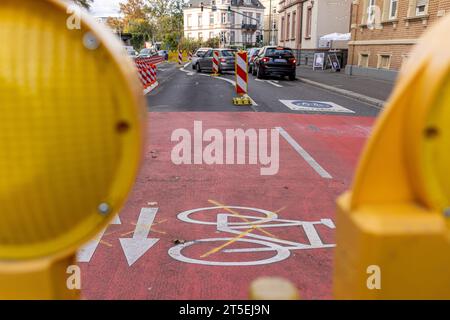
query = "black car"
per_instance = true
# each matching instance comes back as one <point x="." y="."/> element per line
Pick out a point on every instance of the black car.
<point x="275" y="61"/>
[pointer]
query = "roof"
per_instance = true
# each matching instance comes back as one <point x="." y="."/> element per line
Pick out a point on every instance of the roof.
<point x="196" y="3"/>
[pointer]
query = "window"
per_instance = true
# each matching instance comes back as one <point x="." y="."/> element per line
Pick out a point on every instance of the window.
<point x="421" y="7"/>
<point x="258" y="17"/>
<point x="200" y="36"/>
<point x="393" y="5"/>
<point x="371" y="11"/>
<point x="288" y="26"/>
<point x="308" y="22"/>
<point x="189" y="20"/>
<point x="231" y="17"/>
<point x="211" y="35"/>
<point x="232" y="37"/>
<point x="384" y="61"/>
<point x="199" y="20"/>
<point x="248" y="2"/>
<point x="282" y="29"/>
<point x="363" y="60"/>
<point x="189" y="35"/>
<point x="294" y="22"/>
<point x="224" y="18"/>
<point x="211" y="18"/>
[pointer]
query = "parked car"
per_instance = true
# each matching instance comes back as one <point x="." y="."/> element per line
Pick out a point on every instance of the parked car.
<point x="198" y="54"/>
<point x="147" y="53"/>
<point x="276" y="61"/>
<point x="226" y="61"/>
<point x="251" y="54"/>
<point x="164" y="53"/>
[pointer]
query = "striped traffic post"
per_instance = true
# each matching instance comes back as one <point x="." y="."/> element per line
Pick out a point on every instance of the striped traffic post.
<point x="216" y="62"/>
<point x="180" y="56"/>
<point x="241" y="73"/>
<point x="190" y="56"/>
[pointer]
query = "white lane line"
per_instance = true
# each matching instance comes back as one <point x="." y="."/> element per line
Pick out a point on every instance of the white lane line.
<point x="304" y="154"/>
<point x="274" y="84"/>
<point x="270" y="81"/>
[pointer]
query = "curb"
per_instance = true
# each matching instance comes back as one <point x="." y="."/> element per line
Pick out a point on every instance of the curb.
<point x="372" y="101"/>
<point x="151" y="88"/>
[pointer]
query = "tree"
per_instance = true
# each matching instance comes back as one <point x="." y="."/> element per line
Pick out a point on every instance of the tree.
<point x="84" y="3"/>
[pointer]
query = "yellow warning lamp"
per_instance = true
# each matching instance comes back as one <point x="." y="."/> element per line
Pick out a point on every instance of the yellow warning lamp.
<point x="393" y="227"/>
<point x="71" y="117"/>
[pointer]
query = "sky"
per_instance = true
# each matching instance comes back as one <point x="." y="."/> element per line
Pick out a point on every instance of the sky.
<point x="105" y="7"/>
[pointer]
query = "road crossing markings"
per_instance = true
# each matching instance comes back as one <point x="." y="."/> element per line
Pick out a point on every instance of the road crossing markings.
<point x="304" y="154"/>
<point x="85" y="253"/>
<point x="139" y="244"/>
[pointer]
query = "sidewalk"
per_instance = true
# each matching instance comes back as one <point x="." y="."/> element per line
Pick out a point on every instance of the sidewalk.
<point x="369" y="90"/>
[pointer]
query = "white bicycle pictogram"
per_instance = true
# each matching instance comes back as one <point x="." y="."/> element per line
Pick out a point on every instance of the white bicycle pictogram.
<point x="268" y="221"/>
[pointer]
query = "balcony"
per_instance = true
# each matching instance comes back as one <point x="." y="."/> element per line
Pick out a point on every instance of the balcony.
<point x="249" y="27"/>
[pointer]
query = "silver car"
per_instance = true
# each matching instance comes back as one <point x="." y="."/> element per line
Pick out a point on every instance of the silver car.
<point x="198" y="54"/>
<point x="226" y="61"/>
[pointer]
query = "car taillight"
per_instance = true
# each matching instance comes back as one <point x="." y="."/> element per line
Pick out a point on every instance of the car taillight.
<point x="265" y="59"/>
<point x="223" y="60"/>
<point x="293" y="61"/>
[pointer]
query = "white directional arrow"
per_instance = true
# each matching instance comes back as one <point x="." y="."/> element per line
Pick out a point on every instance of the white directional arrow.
<point x="136" y="247"/>
<point x="85" y="254"/>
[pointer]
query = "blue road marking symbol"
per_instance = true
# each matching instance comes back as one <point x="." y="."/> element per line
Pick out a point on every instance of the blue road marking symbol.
<point x="312" y="104"/>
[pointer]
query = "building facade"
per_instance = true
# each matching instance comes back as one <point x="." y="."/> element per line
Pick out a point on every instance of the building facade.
<point x="384" y="32"/>
<point x="303" y="22"/>
<point x="270" y="22"/>
<point x="241" y="27"/>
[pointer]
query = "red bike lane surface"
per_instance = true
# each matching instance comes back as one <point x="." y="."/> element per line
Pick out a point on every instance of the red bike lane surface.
<point x="184" y="261"/>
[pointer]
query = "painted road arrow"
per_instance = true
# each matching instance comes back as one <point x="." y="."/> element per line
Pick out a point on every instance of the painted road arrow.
<point x="85" y="254"/>
<point x="136" y="247"/>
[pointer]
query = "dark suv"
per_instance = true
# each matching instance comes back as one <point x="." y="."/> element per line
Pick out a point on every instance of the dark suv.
<point x="275" y="61"/>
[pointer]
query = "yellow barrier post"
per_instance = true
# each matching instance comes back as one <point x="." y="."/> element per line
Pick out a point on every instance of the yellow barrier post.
<point x="71" y="132"/>
<point x="393" y="227"/>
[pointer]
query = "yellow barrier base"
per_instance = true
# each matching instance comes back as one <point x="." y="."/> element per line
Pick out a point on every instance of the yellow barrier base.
<point x="406" y="244"/>
<point x="37" y="280"/>
<point x="242" y="101"/>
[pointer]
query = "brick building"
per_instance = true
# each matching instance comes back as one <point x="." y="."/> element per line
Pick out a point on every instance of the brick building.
<point x="384" y="31"/>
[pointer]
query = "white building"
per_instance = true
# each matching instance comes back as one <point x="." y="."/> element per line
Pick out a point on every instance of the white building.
<point x="237" y="28"/>
<point x="270" y="21"/>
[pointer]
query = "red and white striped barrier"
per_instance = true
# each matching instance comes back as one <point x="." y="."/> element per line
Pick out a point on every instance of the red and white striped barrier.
<point x="151" y="60"/>
<point x="241" y="73"/>
<point x="147" y="74"/>
<point x="190" y="56"/>
<point x="215" y="62"/>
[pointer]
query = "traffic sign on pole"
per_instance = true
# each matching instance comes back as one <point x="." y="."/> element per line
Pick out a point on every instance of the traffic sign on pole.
<point x="70" y="138"/>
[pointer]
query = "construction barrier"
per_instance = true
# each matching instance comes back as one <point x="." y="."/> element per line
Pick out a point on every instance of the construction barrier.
<point x="241" y="73"/>
<point x="180" y="57"/>
<point x="215" y="62"/>
<point x="190" y="56"/>
<point x="147" y="73"/>
<point x="393" y="227"/>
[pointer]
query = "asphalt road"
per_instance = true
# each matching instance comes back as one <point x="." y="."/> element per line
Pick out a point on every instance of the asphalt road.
<point x="183" y="89"/>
